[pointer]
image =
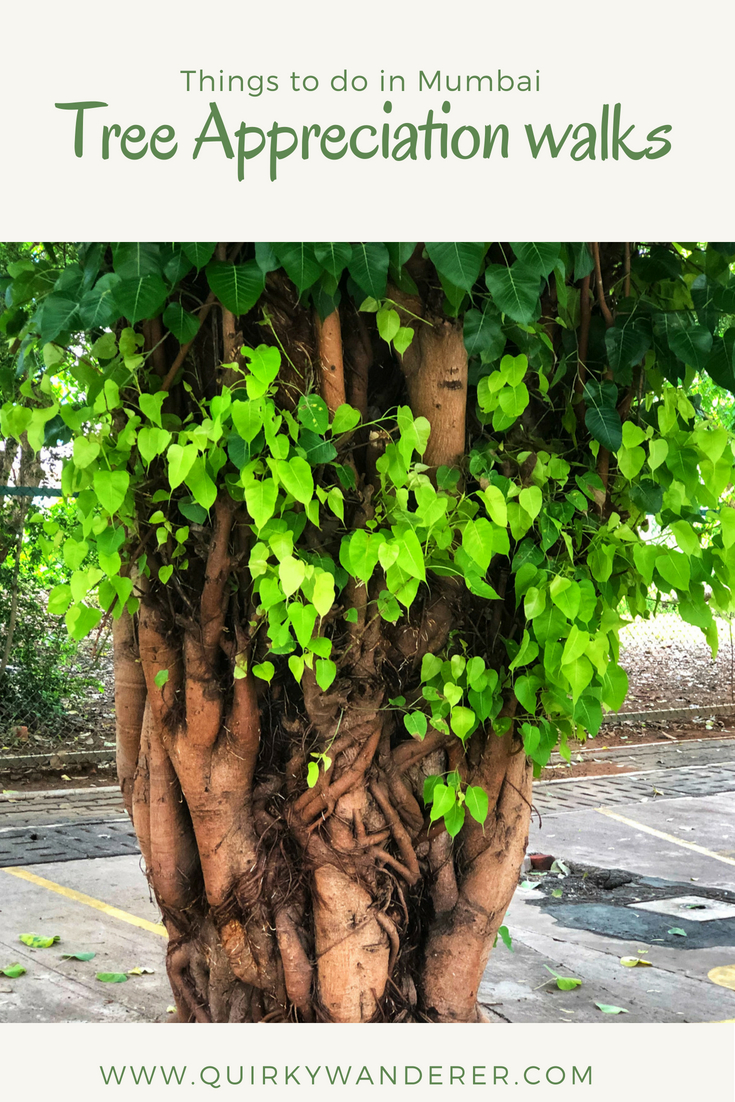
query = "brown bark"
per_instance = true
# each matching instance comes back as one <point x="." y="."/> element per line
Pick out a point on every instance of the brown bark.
<point x="435" y="366"/>
<point x="331" y="360"/>
<point x="339" y="902"/>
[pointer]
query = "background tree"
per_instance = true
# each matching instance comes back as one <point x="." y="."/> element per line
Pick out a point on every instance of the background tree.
<point x="367" y="518"/>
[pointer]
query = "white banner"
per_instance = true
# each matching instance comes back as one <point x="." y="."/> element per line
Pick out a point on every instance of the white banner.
<point x="587" y="1063"/>
<point x="306" y="120"/>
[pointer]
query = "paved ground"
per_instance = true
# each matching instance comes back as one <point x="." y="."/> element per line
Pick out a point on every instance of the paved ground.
<point x="674" y="823"/>
<point x="55" y="990"/>
<point x="671" y="824"/>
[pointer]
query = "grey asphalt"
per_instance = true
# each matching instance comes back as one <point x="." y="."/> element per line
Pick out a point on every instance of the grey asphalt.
<point x="677" y="987"/>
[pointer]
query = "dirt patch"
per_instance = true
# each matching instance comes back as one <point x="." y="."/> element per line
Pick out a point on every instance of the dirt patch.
<point x="586" y="769"/>
<point x="669" y="665"/>
<point x="98" y="776"/>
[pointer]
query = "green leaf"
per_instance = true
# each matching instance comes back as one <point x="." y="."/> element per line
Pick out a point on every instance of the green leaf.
<point x="78" y="956"/>
<point x="345" y="419"/>
<point x="59" y="599"/>
<point x="389" y="323"/>
<point x="36" y="941"/>
<point x="565" y="983"/>
<point x="601" y="417"/>
<point x="459" y="262"/>
<point x="140" y="298"/>
<point x="483" y="333"/>
<point x="416" y="724"/>
<point x="291" y="572"/>
<point x="183" y="325"/>
<point x="606" y="1008"/>
<point x="648" y="496"/>
<point x="334" y="256"/>
<point x="323" y="595"/>
<point x="402" y="339"/>
<point x="201" y="484"/>
<point x="626" y="345"/>
<point x="454" y="820"/>
<point x="463" y="720"/>
<point x="134" y="259"/>
<point x="238" y="287"/>
<point x="477" y="804"/>
<point x="111" y="977"/>
<point x="515" y="291"/>
<point x="198" y="252"/>
<point x="59" y="315"/>
<point x="539" y="257"/>
<point x="161" y="678"/>
<point x="504" y="934"/>
<point x="264" y="670"/>
<point x="312" y="774"/>
<point x="111" y="488"/>
<point x="247" y="417"/>
<point x="296" y="476"/>
<point x="674" y="569"/>
<point x="444" y="799"/>
<point x="566" y="595"/>
<point x="313" y="413"/>
<point x="368" y="267"/>
<point x="98" y="308"/>
<point x="299" y="260"/>
<point x="410" y="553"/>
<point x="152" y="441"/>
<point x="692" y="345"/>
<point x="303" y="618"/>
<point x="13" y="971"/>
<point x="325" y="673"/>
<point x="260" y="498"/>
<point x="678" y="931"/>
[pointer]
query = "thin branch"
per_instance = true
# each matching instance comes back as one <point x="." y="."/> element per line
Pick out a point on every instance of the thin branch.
<point x="602" y="301"/>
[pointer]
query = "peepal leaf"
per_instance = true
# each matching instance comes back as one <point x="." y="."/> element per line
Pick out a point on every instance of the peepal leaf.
<point x="564" y="983"/>
<point x="35" y="941"/>
<point x="12" y="971"/>
<point x="111" y="977"/>
<point x="78" y="956"/>
<point x="606" y="1008"/>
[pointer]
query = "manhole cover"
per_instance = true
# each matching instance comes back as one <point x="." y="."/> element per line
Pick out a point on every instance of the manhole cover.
<point x="695" y="908"/>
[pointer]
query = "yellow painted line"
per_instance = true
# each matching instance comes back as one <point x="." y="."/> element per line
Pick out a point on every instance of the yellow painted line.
<point x="724" y="976"/>
<point x="87" y="900"/>
<point x="666" y="837"/>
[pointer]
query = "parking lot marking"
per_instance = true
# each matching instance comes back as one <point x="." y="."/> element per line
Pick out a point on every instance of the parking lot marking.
<point x="666" y="837"/>
<point x="724" y="976"/>
<point x="87" y="900"/>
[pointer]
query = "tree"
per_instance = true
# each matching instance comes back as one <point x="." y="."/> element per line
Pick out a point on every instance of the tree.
<point x="367" y="519"/>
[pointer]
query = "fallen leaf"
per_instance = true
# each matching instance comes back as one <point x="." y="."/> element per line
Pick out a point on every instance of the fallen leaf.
<point x="635" y="962"/>
<point x="112" y="977"/>
<point x="607" y="1009"/>
<point x="170" y="1009"/>
<point x="12" y="971"/>
<point x="557" y="893"/>
<point x="37" y="942"/>
<point x="78" y="956"/>
<point x="527" y="886"/>
<point x="678" y="931"/>
<point x="64" y="777"/>
<point x="140" y="971"/>
<point x="564" y="983"/>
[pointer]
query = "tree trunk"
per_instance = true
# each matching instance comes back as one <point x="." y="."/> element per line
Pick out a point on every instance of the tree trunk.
<point x="341" y="902"/>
